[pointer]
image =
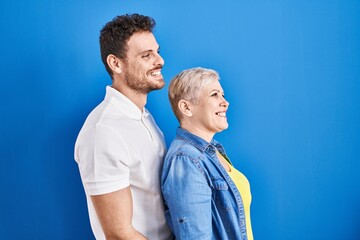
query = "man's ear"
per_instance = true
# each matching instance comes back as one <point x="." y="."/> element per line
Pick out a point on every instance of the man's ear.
<point x="114" y="63"/>
<point x="185" y="108"/>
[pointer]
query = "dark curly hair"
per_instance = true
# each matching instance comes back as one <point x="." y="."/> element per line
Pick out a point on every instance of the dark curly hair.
<point x="116" y="33"/>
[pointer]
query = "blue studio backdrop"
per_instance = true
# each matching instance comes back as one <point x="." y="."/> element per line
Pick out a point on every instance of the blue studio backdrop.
<point x="290" y="70"/>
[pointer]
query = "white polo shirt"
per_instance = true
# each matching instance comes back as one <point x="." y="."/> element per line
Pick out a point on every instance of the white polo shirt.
<point x="120" y="146"/>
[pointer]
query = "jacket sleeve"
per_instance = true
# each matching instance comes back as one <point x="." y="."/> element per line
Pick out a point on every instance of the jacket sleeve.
<point x="187" y="194"/>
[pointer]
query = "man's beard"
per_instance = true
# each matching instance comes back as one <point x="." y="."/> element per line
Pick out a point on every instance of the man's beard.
<point x="142" y="85"/>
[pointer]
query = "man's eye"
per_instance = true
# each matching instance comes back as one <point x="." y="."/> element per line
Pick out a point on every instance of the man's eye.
<point x="146" y="55"/>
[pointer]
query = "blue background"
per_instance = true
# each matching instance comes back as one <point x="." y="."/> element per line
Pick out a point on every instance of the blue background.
<point x="290" y="70"/>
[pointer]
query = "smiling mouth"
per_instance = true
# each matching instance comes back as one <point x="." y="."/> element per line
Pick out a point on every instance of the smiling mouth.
<point x="221" y="114"/>
<point x="155" y="73"/>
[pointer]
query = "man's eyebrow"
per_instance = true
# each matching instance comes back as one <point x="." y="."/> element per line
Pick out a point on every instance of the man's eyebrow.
<point x="147" y="51"/>
<point x="144" y="51"/>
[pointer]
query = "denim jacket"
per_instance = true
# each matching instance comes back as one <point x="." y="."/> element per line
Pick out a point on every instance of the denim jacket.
<point x="201" y="200"/>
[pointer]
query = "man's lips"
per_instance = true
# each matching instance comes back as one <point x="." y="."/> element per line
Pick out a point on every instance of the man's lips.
<point x="155" y="72"/>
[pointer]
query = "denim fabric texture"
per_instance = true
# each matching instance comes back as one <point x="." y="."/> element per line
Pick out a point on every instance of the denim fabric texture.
<point x="201" y="201"/>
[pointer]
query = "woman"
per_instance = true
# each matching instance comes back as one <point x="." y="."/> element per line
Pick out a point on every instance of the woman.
<point x="205" y="196"/>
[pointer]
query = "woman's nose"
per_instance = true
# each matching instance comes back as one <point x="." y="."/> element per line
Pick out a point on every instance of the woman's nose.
<point x="225" y="103"/>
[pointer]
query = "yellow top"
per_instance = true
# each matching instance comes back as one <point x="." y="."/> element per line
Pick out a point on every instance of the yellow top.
<point x="243" y="186"/>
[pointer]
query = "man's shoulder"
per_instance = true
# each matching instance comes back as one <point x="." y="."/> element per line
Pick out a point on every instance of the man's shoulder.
<point x="104" y="112"/>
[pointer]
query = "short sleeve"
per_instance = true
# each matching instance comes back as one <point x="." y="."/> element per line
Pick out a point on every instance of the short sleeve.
<point x="103" y="160"/>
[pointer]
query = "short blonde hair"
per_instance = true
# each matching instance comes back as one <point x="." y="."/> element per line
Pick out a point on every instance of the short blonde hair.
<point x="188" y="84"/>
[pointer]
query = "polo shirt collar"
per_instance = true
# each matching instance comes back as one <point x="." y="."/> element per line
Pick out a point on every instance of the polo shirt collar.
<point x="125" y="105"/>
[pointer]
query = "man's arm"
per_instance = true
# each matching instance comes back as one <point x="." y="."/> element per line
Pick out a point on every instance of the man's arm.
<point x="115" y="211"/>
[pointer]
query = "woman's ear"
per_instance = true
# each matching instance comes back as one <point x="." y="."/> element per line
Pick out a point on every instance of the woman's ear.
<point x="185" y="108"/>
<point x="114" y="63"/>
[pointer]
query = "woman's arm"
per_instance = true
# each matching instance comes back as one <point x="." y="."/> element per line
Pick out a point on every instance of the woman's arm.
<point x="188" y="197"/>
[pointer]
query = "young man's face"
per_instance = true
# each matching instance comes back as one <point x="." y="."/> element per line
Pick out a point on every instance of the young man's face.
<point x="143" y="65"/>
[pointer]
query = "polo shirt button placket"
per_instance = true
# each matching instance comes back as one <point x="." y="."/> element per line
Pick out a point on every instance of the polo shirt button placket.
<point x="151" y="132"/>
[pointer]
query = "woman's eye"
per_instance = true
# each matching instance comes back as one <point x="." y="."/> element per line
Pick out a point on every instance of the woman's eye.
<point x="214" y="94"/>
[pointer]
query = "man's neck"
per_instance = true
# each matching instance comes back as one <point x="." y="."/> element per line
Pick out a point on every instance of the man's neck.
<point x="139" y="99"/>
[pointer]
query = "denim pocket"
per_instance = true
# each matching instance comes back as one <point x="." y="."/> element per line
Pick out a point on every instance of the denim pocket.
<point x="220" y="184"/>
<point x="221" y="195"/>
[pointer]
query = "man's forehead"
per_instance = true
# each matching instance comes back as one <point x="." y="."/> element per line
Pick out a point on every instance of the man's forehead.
<point x="143" y="41"/>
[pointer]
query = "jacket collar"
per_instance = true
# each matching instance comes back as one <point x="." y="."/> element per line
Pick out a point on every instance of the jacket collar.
<point x="196" y="141"/>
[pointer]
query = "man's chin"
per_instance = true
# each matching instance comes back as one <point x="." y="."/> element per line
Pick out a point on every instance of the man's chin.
<point x="157" y="88"/>
<point x="160" y="83"/>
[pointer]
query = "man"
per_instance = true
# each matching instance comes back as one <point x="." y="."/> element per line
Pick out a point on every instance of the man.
<point x="120" y="149"/>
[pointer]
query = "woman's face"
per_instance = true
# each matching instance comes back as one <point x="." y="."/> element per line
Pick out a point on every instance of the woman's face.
<point x="209" y="114"/>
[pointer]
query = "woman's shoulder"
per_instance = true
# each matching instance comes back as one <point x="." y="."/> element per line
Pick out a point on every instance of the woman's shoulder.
<point x="185" y="158"/>
<point x="183" y="149"/>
